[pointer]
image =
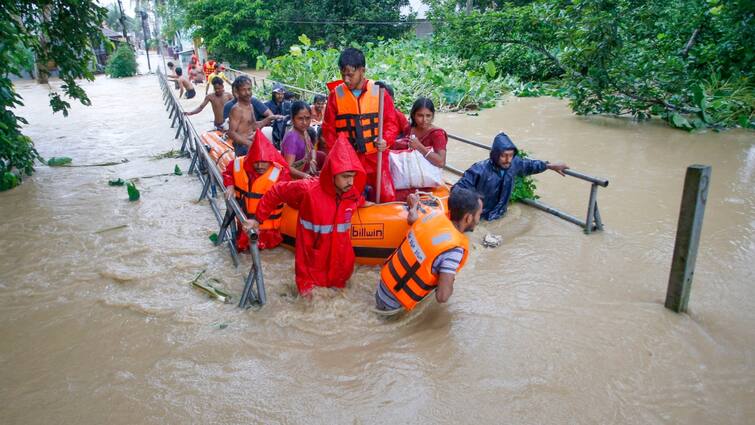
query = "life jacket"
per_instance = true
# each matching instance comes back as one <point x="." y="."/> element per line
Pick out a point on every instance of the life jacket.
<point x="408" y="271"/>
<point x="209" y="67"/>
<point x="358" y="117"/>
<point x="250" y="194"/>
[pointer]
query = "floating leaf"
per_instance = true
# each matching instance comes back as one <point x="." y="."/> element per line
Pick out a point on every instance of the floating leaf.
<point x="117" y="182"/>
<point x="58" y="161"/>
<point x="177" y="171"/>
<point x="214" y="238"/>
<point x="133" y="192"/>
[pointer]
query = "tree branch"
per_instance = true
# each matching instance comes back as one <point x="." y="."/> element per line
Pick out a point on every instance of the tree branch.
<point x="691" y="41"/>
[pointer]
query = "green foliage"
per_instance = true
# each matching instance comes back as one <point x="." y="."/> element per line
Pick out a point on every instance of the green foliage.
<point x="59" y="32"/>
<point x="689" y="62"/>
<point x="524" y="187"/>
<point x="239" y="31"/>
<point x="122" y="63"/>
<point x="113" y="20"/>
<point x="412" y="67"/>
<point x="133" y="192"/>
<point x="58" y="161"/>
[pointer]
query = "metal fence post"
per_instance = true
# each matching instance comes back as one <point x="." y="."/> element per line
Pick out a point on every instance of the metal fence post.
<point x="694" y="198"/>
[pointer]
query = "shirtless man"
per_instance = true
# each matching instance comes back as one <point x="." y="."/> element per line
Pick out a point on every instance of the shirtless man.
<point x="217" y="99"/>
<point x="241" y="122"/>
<point x="185" y="84"/>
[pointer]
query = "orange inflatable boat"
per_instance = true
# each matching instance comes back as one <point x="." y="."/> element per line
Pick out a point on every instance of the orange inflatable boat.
<point x="376" y="231"/>
<point x="221" y="150"/>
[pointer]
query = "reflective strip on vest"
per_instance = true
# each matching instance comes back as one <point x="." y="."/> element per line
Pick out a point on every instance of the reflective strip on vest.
<point x="324" y="229"/>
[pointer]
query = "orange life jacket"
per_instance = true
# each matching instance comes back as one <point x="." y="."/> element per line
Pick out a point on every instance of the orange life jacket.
<point x="250" y="194"/>
<point x="358" y="118"/>
<point x="408" y="271"/>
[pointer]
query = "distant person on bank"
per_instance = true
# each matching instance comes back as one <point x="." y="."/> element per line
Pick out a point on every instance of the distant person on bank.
<point x="186" y="85"/>
<point x="217" y="99"/>
<point x="433" y="252"/>
<point x="324" y="254"/>
<point x="494" y="177"/>
<point x="247" y="178"/>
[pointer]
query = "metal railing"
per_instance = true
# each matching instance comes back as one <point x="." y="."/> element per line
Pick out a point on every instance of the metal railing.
<point x="592" y="221"/>
<point x="212" y="186"/>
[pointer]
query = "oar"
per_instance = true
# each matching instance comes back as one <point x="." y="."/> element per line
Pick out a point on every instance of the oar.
<point x="380" y="137"/>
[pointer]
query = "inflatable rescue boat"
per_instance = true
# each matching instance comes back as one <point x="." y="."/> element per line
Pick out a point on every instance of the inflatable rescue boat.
<point x="376" y="231"/>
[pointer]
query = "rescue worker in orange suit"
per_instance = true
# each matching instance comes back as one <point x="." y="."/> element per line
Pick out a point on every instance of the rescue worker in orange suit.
<point x="247" y="178"/>
<point x="434" y="250"/>
<point x="352" y="110"/>
<point x="324" y="254"/>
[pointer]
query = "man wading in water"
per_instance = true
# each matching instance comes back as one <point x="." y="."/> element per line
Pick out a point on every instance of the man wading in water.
<point x="434" y="250"/>
<point x="185" y="84"/>
<point x="324" y="254"/>
<point x="241" y="122"/>
<point x="217" y="99"/>
<point x="494" y="178"/>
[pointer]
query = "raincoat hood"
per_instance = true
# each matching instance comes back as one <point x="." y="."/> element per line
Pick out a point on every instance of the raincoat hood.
<point x="501" y="143"/>
<point x="262" y="150"/>
<point x="342" y="158"/>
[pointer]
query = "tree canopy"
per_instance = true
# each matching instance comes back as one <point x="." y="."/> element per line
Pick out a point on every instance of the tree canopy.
<point x="59" y="32"/>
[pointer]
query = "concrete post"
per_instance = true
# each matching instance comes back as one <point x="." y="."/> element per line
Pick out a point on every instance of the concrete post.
<point x="694" y="198"/>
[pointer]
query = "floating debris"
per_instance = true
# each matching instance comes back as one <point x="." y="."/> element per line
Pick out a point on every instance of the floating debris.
<point x="59" y="161"/>
<point x="177" y="171"/>
<point x="492" y="241"/>
<point x="170" y="154"/>
<point x="133" y="192"/>
<point x="214" y="238"/>
<point x="212" y="292"/>
<point x="122" y="226"/>
<point x="117" y="182"/>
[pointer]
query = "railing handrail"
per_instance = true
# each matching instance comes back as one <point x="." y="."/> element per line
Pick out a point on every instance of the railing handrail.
<point x="569" y="172"/>
<point x="279" y="82"/>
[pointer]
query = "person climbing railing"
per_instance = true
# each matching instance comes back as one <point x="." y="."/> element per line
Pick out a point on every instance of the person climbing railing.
<point x="211" y="179"/>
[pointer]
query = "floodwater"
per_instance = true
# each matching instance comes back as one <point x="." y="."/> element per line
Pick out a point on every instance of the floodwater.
<point x="100" y="324"/>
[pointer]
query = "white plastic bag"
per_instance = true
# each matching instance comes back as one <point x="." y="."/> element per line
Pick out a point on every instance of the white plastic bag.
<point x="410" y="169"/>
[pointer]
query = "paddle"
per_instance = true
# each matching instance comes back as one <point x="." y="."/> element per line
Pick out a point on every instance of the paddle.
<point x="381" y="95"/>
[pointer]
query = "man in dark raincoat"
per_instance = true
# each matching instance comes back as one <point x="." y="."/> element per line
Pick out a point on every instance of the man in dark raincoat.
<point x="494" y="178"/>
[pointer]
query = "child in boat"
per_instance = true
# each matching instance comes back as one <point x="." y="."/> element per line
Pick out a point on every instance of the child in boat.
<point x="434" y="250"/>
<point x="324" y="254"/>
<point x="298" y="148"/>
<point x="352" y="110"/>
<point x="248" y="178"/>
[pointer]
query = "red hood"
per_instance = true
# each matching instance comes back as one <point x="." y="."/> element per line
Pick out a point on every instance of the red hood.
<point x="262" y="150"/>
<point x="333" y="84"/>
<point x="342" y="158"/>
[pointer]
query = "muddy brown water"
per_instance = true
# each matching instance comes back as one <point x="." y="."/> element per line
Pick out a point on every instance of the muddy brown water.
<point x="552" y="327"/>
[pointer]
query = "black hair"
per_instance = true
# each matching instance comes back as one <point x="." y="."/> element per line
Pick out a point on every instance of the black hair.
<point x="179" y="71"/>
<point x="240" y="81"/>
<point x="298" y="106"/>
<point x="217" y="81"/>
<point x="170" y="64"/>
<point x="287" y="95"/>
<point x="420" y="103"/>
<point x="461" y="202"/>
<point x="319" y="98"/>
<point x="351" y="57"/>
<point x="386" y="86"/>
